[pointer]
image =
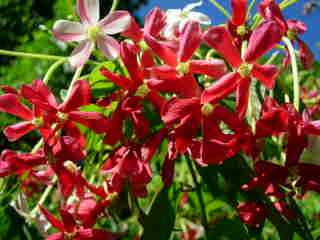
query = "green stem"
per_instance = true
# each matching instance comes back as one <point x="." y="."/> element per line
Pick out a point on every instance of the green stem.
<point x="253" y="2"/>
<point x="114" y="6"/>
<point x="287" y="3"/>
<point x="295" y="74"/>
<point x="52" y="69"/>
<point x="200" y="197"/>
<point x="44" y="197"/>
<point x="220" y="8"/>
<point x="30" y="55"/>
<point x="75" y="78"/>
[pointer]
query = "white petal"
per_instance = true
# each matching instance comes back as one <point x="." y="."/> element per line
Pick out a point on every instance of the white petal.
<point x="81" y="53"/>
<point x="68" y="31"/>
<point x="173" y="13"/>
<point x="183" y="24"/>
<point x="108" y="46"/>
<point x="169" y="30"/>
<point x="199" y="17"/>
<point x="115" y="22"/>
<point x="192" y="6"/>
<point x="89" y="11"/>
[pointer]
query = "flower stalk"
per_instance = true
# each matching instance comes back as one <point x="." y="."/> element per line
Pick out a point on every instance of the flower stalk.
<point x="221" y="8"/>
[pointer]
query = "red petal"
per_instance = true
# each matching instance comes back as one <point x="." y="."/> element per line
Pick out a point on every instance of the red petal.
<point x="189" y="41"/>
<point x="220" y="88"/>
<point x="306" y="55"/>
<point x="214" y="68"/>
<point x="14" y="132"/>
<point x="154" y="22"/>
<point x="95" y="121"/>
<point x="162" y="50"/>
<point x="150" y="147"/>
<point x="52" y="219"/>
<point x="267" y="74"/>
<point x="114" y="132"/>
<point x="220" y="39"/>
<point x="156" y="99"/>
<point x="262" y="40"/>
<point x="270" y="10"/>
<point x="56" y="236"/>
<point x="176" y="109"/>
<point x="163" y="72"/>
<point x="129" y="56"/>
<point x="120" y="81"/>
<point x="39" y="94"/>
<point x="80" y="96"/>
<point x="68" y="220"/>
<point x="134" y="31"/>
<point x="9" y="103"/>
<point x="239" y="12"/>
<point x="298" y="26"/>
<point x="243" y="92"/>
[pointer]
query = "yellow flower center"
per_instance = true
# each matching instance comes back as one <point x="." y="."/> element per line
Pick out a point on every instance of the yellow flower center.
<point x="143" y="45"/>
<point x="93" y="32"/>
<point x="142" y="91"/>
<point x="207" y="109"/>
<point x="292" y="34"/>
<point x="245" y="70"/>
<point x="38" y="122"/>
<point x="241" y="30"/>
<point x="183" y="68"/>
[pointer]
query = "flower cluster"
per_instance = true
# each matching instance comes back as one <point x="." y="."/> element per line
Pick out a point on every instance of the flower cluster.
<point x="205" y="105"/>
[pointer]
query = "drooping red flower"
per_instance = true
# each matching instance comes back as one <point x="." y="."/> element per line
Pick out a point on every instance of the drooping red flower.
<point x="262" y="40"/>
<point x="252" y="214"/>
<point x="291" y="28"/>
<point x="68" y="228"/>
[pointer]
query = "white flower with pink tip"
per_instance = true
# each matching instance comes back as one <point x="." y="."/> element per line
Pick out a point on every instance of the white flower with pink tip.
<point x="91" y="32"/>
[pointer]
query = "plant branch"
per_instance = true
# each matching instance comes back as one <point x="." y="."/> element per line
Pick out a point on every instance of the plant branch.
<point x="31" y="55"/>
<point x="52" y="69"/>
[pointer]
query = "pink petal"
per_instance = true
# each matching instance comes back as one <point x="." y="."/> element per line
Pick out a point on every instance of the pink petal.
<point x="14" y="132"/>
<point x="80" y="95"/>
<point x="220" y="39"/>
<point x="239" y="12"/>
<point x="56" y="236"/>
<point x="9" y="103"/>
<point x="221" y="88"/>
<point x="89" y="11"/>
<point x="81" y="53"/>
<point x="115" y="22"/>
<point x="262" y="40"/>
<point x="68" y="31"/>
<point x="109" y="47"/>
<point x="214" y="68"/>
<point x="298" y="26"/>
<point x="267" y="74"/>
<point x="189" y="41"/>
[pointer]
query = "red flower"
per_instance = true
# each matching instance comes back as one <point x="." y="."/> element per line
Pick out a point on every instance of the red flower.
<point x="252" y="214"/>
<point x="269" y="9"/>
<point x="68" y="228"/>
<point x="179" y="78"/>
<point x="263" y="39"/>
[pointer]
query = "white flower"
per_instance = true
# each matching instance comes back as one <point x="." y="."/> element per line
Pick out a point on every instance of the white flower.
<point x="178" y="18"/>
<point x="91" y="31"/>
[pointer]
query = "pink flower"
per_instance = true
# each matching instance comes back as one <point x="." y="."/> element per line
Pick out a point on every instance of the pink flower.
<point x="91" y="31"/>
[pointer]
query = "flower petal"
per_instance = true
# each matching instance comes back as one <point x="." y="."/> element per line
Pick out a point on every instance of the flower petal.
<point x="16" y="131"/>
<point x="163" y="51"/>
<point x="68" y="220"/>
<point x="239" y="12"/>
<point x="89" y="11"/>
<point x="214" y="68"/>
<point x="189" y="42"/>
<point x="109" y="47"/>
<point x="120" y="81"/>
<point x="267" y="74"/>
<point x="80" y="95"/>
<point x="305" y="53"/>
<point x="81" y="53"/>
<point x="115" y="22"/>
<point x="200" y="18"/>
<point x="221" y="88"/>
<point x="68" y="31"/>
<point x="262" y="40"/>
<point x="243" y="92"/>
<point x="52" y="219"/>
<point x="9" y="103"/>
<point x="154" y="22"/>
<point x="220" y="39"/>
<point x="95" y="121"/>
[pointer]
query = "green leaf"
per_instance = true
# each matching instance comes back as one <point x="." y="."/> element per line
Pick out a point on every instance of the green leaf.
<point x="229" y="229"/>
<point x="159" y="222"/>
